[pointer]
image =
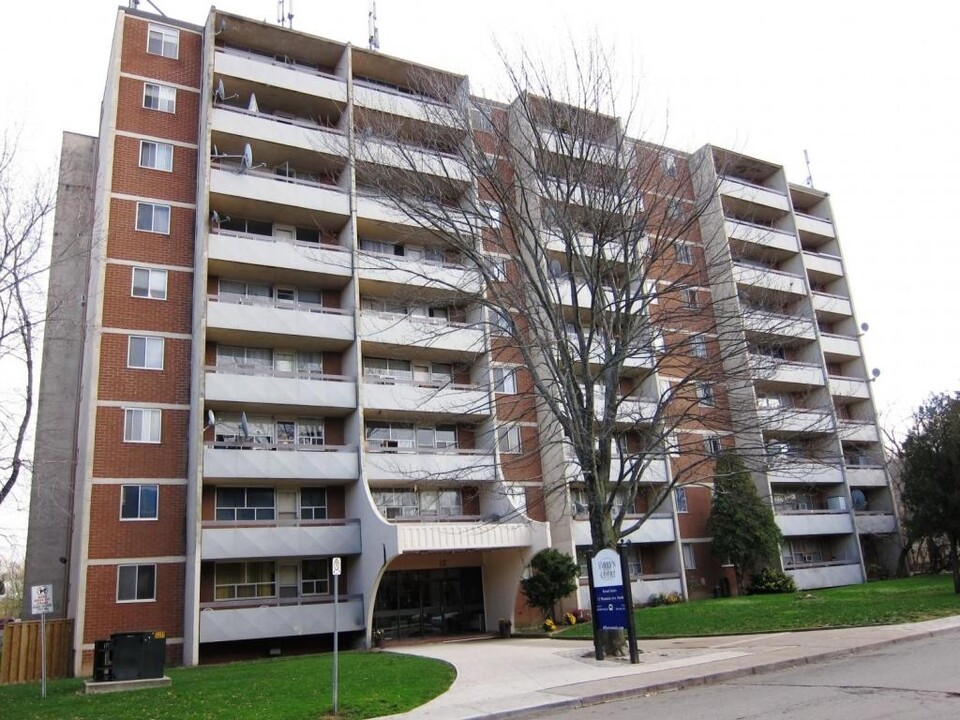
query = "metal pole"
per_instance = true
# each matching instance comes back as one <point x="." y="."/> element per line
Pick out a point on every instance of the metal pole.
<point x="628" y="599"/>
<point x="43" y="655"/>
<point x="336" y="639"/>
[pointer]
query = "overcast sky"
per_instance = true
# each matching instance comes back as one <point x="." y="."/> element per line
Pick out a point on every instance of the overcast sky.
<point x="869" y="89"/>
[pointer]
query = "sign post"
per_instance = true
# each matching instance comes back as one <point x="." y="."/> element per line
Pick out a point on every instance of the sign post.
<point x="628" y="596"/>
<point x="41" y="602"/>
<point x="336" y="569"/>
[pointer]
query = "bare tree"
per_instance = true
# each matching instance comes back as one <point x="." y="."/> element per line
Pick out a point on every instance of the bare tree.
<point x="25" y="204"/>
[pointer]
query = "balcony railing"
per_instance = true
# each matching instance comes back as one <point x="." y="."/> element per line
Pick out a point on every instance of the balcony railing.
<point x="409" y="447"/>
<point x="397" y="90"/>
<point x="812" y="560"/>
<point x="396" y="317"/>
<point x="405" y="377"/>
<point x="254" y="444"/>
<point x="282" y="118"/>
<point x="279" y="523"/>
<point x="268" y="371"/>
<point x="420" y="261"/>
<point x="280" y="239"/>
<point x="269" y="59"/>
<point x="274" y="601"/>
<point x="234" y="165"/>
<point x="258" y="301"/>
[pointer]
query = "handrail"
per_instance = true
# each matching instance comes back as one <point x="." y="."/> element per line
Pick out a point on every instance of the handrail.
<point x="813" y="217"/>
<point x="299" y="306"/>
<point x="274" y="601"/>
<point x="399" y="379"/>
<point x="377" y="447"/>
<point x="386" y="87"/>
<point x="298" y="121"/>
<point x="827" y="256"/>
<point x="278" y="238"/>
<point x="433" y="263"/>
<point x="831" y="295"/>
<point x="752" y="184"/>
<point x="414" y="318"/>
<point x="263" y="371"/>
<point x="329" y="522"/>
<point x="221" y="164"/>
<point x="283" y="447"/>
<point x="767" y="270"/>
<point x="759" y="226"/>
<point x="271" y="60"/>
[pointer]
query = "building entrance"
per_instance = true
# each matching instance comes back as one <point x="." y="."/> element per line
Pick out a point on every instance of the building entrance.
<point x="421" y="603"/>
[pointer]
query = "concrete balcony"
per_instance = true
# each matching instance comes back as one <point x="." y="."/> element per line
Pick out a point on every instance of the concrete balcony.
<point x="393" y="270"/>
<point x="831" y="305"/>
<point x="466" y="402"/>
<point x="226" y="541"/>
<point x="389" y="100"/>
<point x="256" y="187"/>
<point x="794" y="420"/>
<point x="876" y="523"/>
<point x="849" y="387"/>
<point x="866" y="476"/>
<point x="372" y="206"/>
<point x="460" y="536"/>
<point x="773" y="370"/>
<point x="221" y="622"/>
<point x="656" y="529"/>
<point x="399" y="464"/>
<point x="654" y="473"/>
<point x="762" y="236"/>
<point x="579" y="147"/>
<point x="756" y="194"/>
<point x="859" y="431"/>
<point x="233" y="385"/>
<point x="839" y="345"/>
<point x="814" y="522"/>
<point x="266" y="462"/>
<point x="635" y="409"/>
<point x="276" y="319"/>
<point x="826" y="575"/>
<point x="814" y="225"/>
<point x="274" y="252"/>
<point x="821" y="264"/>
<point x="267" y="71"/>
<point x="769" y="323"/>
<point x="772" y="280"/>
<point x="414" y="331"/>
<point x="413" y="158"/>
<point x="805" y="473"/>
<point x="299" y="134"/>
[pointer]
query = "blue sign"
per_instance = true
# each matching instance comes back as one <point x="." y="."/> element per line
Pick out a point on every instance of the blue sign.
<point x="610" y="605"/>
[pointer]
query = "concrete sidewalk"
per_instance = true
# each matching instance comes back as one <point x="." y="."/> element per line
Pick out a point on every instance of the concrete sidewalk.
<point x="517" y="677"/>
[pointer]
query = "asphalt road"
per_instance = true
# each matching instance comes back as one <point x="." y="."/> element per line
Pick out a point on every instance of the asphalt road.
<point x="916" y="679"/>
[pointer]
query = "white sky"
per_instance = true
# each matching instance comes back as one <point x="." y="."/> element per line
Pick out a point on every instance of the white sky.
<point x="869" y="89"/>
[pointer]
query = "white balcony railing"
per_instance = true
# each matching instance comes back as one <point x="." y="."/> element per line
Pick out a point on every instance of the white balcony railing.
<point x="762" y="235"/>
<point x="245" y="460"/>
<point x="272" y="618"/>
<point x="278" y="539"/>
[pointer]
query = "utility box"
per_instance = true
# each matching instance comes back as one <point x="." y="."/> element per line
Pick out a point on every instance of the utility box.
<point x="129" y="656"/>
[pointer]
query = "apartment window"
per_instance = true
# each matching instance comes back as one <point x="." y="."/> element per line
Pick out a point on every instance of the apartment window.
<point x="689" y="557"/>
<point x="163" y="40"/>
<point x="139" y="502"/>
<point x="159" y="97"/>
<point x="250" y="503"/>
<point x="684" y="253"/>
<point x="713" y="446"/>
<point x="313" y="504"/>
<point x="240" y="580"/>
<point x="691" y="298"/>
<point x="671" y="444"/>
<point x="676" y="211"/>
<point x="505" y="380"/>
<point x="480" y="118"/>
<point x="315" y="577"/>
<point x="490" y="214"/>
<point x="397" y="503"/>
<point x="669" y="163"/>
<point x="508" y="439"/>
<point x="680" y="498"/>
<point x="698" y="346"/>
<point x="404" y="503"/>
<point x="498" y="269"/>
<point x="141" y="425"/>
<point x="136" y="583"/>
<point x="156" y="155"/>
<point x="145" y="353"/>
<point x="441" y="437"/>
<point x="153" y="217"/>
<point x="149" y="283"/>
<point x="705" y="395"/>
<point x="502" y="322"/>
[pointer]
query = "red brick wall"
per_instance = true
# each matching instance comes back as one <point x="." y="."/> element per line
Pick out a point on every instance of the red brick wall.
<point x="111" y="537"/>
<point x="122" y="310"/>
<point x="114" y="458"/>
<point x="118" y="382"/>
<point x="134" y="59"/>
<point x="134" y="117"/>
<point x="104" y="615"/>
<point x="125" y="242"/>
<point x="131" y="179"/>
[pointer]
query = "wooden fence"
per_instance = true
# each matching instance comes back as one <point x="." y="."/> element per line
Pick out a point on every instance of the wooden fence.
<point x="21" y="661"/>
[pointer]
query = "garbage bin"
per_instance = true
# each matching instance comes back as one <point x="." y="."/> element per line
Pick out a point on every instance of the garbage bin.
<point x="102" y="660"/>
<point x="138" y="655"/>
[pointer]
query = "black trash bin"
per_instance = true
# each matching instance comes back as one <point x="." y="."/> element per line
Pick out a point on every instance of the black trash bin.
<point x="138" y="655"/>
<point x="102" y="660"/>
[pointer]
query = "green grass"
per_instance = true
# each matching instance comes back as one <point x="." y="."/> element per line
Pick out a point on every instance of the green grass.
<point x="370" y="684"/>
<point x="877" y="603"/>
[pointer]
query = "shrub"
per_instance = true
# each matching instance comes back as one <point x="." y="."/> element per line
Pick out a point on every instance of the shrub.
<point x="770" y="581"/>
<point x="674" y="598"/>
<point x="658" y="599"/>
<point x="570" y="619"/>
<point x="549" y="625"/>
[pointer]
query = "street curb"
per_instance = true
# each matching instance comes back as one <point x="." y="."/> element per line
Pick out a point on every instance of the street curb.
<point x="707" y="679"/>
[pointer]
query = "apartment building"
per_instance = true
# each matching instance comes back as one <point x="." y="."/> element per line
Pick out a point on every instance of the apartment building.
<point x="260" y="366"/>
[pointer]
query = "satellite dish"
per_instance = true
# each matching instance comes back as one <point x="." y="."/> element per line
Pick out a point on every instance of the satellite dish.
<point x="859" y="499"/>
<point x="875" y="372"/>
<point x="864" y="327"/>
<point x="246" y="160"/>
<point x="211" y="418"/>
<point x="215" y="218"/>
<point x="252" y="105"/>
<point x="223" y="26"/>
<point x="244" y="428"/>
<point x="219" y="93"/>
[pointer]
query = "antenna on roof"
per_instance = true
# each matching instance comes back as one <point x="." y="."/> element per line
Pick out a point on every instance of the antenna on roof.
<point x="134" y="4"/>
<point x="374" y="38"/>
<point x="284" y="19"/>
<point x="806" y="159"/>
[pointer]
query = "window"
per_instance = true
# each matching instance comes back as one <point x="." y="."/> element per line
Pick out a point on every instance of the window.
<point x="689" y="557"/>
<point x="315" y="577"/>
<point x="498" y="269"/>
<point x="149" y="283"/>
<point x="669" y="163"/>
<point x="489" y="214"/>
<point x="396" y="503"/>
<point x="676" y="210"/>
<point x="691" y="298"/>
<point x="502" y="322"/>
<point x="159" y="97"/>
<point x="138" y="502"/>
<point x="145" y="353"/>
<point x="671" y="444"/>
<point x="505" y="380"/>
<point x="141" y="425"/>
<point x="251" y="503"/>
<point x="136" y="583"/>
<point x="705" y="395"/>
<point x="680" y="498"/>
<point x="684" y="254"/>
<point x="163" y="40"/>
<point x="313" y="504"/>
<point x="713" y="446"/>
<point x="698" y="346"/>
<point x="508" y="439"/>
<point x="239" y="580"/>
<point x="156" y="155"/>
<point x="480" y="118"/>
<point x="153" y="217"/>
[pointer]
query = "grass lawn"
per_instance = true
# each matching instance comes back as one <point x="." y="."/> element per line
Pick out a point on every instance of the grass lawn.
<point x="876" y="603"/>
<point x="370" y="684"/>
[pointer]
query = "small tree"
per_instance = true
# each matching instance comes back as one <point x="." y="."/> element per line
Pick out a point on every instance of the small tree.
<point x="554" y="577"/>
<point x="744" y="531"/>
<point x="930" y="467"/>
